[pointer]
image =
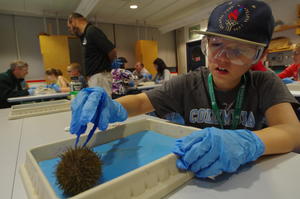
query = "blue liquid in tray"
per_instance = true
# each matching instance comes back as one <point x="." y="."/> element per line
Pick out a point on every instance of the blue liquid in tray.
<point x="120" y="156"/>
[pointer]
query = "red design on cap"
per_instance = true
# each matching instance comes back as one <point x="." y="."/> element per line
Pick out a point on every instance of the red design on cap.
<point x="235" y="14"/>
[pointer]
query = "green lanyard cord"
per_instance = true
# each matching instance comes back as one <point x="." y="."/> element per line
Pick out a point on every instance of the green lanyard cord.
<point x="238" y="104"/>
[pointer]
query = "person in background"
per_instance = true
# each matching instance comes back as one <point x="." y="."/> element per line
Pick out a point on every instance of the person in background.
<point x="60" y="76"/>
<point x="163" y="74"/>
<point x="227" y="101"/>
<point x="12" y="83"/>
<point x="121" y="79"/>
<point x="99" y="52"/>
<point x="124" y="62"/>
<point x="74" y="71"/>
<point x="292" y="71"/>
<point x="59" y="72"/>
<point x="141" y="72"/>
<point x="58" y="82"/>
<point x="259" y="66"/>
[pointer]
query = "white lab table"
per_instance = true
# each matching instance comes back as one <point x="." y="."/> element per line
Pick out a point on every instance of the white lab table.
<point x="38" y="97"/>
<point x="10" y="132"/>
<point x="295" y="93"/>
<point x="294" y="88"/>
<point x="274" y="178"/>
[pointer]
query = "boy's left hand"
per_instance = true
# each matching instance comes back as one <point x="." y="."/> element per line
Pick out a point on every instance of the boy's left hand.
<point x="211" y="151"/>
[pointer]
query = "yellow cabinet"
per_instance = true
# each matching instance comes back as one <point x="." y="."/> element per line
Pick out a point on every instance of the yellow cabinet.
<point x="55" y="52"/>
<point x="146" y="51"/>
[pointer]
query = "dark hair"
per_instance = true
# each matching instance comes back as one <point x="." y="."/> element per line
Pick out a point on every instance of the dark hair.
<point x="75" y="15"/>
<point x="52" y="71"/>
<point x="59" y="72"/>
<point x="161" y="66"/>
<point x="123" y="60"/>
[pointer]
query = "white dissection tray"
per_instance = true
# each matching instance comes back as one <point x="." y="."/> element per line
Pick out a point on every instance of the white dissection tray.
<point x="151" y="181"/>
<point x="38" y="108"/>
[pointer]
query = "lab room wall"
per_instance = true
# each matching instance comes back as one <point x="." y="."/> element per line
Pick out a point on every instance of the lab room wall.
<point x="19" y="40"/>
<point x="286" y="11"/>
<point x="126" y="36"/>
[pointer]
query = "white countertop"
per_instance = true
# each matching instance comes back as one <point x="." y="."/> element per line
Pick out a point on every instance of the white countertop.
<point x="274" y="178"/>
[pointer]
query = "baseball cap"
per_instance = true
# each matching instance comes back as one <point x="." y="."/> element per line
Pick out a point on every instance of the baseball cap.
<point x="248" y="21"/>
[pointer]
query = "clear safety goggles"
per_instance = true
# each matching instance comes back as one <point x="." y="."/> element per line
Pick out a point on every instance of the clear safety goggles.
<point x="238" y="53"/>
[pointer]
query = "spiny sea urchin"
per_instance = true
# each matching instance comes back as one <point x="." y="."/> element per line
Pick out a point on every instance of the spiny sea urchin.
<point x="78" y="170"/>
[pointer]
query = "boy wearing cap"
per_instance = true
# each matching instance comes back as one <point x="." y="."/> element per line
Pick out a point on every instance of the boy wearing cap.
<point x="229" y="102"/>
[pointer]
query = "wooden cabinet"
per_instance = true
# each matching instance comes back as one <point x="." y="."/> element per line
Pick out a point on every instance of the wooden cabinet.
<point x="55" y="52"/>
<point x="146" y="51"/>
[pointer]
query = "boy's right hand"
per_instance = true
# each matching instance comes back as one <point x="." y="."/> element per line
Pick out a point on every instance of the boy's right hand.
<point x="95" y="106"/>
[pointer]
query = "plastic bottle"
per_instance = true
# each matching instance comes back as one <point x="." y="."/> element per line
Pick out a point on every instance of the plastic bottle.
<point x="75" y="86"/>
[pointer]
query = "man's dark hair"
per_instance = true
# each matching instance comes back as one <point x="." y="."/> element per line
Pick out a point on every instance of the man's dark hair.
<point x="75" y="15"/>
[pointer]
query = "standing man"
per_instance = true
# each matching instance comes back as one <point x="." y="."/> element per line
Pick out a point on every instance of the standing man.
<point x="12" y="83"/>
<point x="99" y="52"/>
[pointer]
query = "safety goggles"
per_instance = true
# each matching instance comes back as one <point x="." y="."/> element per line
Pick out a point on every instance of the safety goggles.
<point x="238" y="53"/>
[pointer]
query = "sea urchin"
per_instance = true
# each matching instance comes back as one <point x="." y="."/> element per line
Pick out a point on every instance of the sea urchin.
<point x="78" y="170"/>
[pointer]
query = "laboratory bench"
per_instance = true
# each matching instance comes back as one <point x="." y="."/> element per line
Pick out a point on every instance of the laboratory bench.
<point x="273" y="177"/>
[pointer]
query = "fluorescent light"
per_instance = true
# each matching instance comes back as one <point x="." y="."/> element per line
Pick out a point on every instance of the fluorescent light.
<point x="133" y="6"/>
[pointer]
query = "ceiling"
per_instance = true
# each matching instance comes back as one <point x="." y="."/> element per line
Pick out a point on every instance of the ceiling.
<point x="167" y="15"/>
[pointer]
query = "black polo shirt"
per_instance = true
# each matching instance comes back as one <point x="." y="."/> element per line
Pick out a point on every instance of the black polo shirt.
<point x="96" y="49"/>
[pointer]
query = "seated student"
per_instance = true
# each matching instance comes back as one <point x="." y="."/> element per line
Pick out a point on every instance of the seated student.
<point x="74" y="71"/>
<point x="12" y="83"/>
<point x="121" y="79"/>
<point x="229" y="102"/>
<point x="59" y="84"/>
<point x="60" y="76"/>
<point x="141" y="72"/>
<point x="293" y="70"/>
<point x="163" y="74"/>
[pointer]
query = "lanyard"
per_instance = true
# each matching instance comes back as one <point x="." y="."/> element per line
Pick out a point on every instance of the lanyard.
<point x="238" y="104"/>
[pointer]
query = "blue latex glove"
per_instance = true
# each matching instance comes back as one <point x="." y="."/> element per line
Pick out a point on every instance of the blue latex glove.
<point x="31" y="90"/>
<point x="117" y="63"/>
<point x="54" y="87"/>
<point x="288" y="80"/>
<point x="211" y="151"/>
<point x="94" y="105"/>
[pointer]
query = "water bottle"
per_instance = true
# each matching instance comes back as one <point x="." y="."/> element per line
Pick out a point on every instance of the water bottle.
<point x="75" y="87"/>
